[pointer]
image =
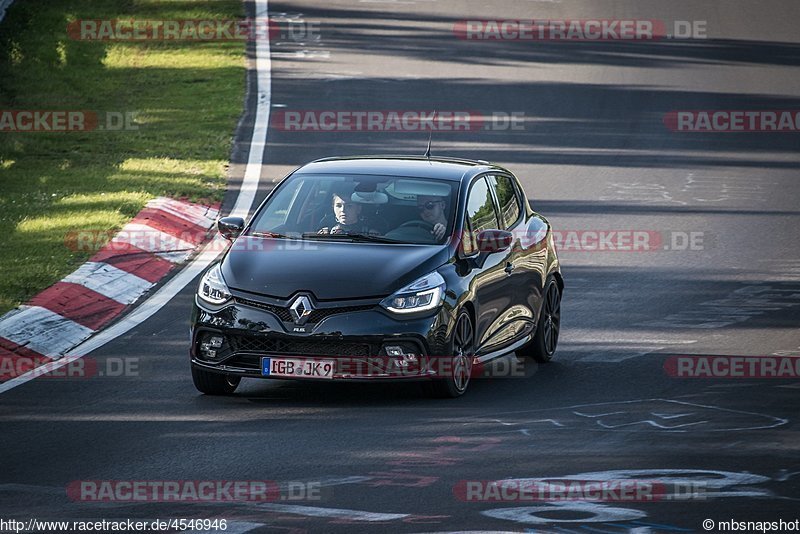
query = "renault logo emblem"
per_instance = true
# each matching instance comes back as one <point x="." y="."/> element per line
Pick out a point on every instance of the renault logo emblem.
<point x="300" y="309"/>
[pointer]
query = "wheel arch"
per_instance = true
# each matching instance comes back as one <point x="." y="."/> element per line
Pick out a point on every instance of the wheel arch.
<point x="469" y="306"/>
<point x="559" y="280"/>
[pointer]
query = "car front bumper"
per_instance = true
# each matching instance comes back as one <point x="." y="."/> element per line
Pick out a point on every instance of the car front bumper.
<point x="352" y="335"/>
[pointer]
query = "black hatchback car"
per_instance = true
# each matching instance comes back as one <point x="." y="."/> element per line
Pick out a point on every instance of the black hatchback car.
<point x="379" y="268"/>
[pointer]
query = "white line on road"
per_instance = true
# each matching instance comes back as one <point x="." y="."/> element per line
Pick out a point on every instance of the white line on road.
<point x="338" y="513"/>
<point x="241" y="208"/>
<point x="634" y="341"/>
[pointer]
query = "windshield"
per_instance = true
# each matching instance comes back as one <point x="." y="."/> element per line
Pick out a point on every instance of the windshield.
<point x="380" y="209"/>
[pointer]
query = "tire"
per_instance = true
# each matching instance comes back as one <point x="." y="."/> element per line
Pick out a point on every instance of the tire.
<point x="214" y="383"/>
<point x="545" y="341"/>
<point x="463" y="351"/>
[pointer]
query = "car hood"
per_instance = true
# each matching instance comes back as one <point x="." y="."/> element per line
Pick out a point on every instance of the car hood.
<point x="329" y="270"/>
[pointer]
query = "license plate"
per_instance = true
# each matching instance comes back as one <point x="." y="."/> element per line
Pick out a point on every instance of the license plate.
<point x="294" y="368"/>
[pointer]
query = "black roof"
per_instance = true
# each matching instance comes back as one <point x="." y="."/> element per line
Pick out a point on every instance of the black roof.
<point x="442" y="168"/>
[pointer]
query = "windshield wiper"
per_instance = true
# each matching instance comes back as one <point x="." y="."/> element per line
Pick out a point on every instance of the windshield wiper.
<point x="268" y="234"/>
<point x="358" y="238"/>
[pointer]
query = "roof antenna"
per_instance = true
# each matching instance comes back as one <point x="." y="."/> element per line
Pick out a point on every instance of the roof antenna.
<point x="430" y="136"/>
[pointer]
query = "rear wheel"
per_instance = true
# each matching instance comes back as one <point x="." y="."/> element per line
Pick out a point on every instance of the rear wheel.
<point x="460" y="370"/>
<point x="214" y="383"/>
<point x="545" y="342"/>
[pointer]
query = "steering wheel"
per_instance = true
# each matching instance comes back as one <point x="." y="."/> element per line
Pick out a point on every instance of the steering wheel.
<point x="413" y="231"/>
<point x="422" y="225"/>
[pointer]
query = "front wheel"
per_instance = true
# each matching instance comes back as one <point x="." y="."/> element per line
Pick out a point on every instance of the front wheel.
<point x="460" y="370"/>
<point x="214" y="383"/>
<point x="545" y="340"/>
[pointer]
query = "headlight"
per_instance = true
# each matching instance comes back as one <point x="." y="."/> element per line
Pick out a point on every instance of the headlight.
<point x="423" y="294"/>
<point x="212" y="287"/>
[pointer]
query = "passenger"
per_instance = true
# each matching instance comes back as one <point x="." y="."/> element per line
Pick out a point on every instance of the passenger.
<point x="348" y="217"/>
<point x="432" y="211"/>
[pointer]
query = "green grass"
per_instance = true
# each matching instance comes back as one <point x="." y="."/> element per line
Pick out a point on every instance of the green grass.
<point x="186" y="96"/>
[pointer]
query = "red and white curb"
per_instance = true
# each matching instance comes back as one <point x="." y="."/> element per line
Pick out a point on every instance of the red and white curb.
<point x="208" y="253"/>
<point x="163" y="235"/>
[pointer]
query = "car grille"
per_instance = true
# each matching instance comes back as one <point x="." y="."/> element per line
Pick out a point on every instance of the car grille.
<point x="249" y="350"/>
<point x="282" y="313"/>
<point x="262" y="344"/>
<point x="314" y="317"/>
<point x="245" y="361"/>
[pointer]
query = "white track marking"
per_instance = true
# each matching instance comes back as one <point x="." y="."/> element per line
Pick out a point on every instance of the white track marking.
<point x="199" y="215"/>
<point x="211" y="251"/>
<point x="599" y="513"/>
<point x="781" y="270"/>
<point x="252" y="173"/>
<point x="233" y="527"/>
<point x="695" y="190"/>
<point x="109" y="281"/>
<point x="42" y="331"/>
<point x="524" y="418"/>
<point x="151" y="239"/>
<point x="634" y="341"/>
<point x="338" y="513"/>
<point x="584" y="345"/>
<point x="736" y="307"/>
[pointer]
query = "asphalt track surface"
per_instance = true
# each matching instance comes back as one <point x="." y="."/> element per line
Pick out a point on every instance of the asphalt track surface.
<point x="594" y="154"/>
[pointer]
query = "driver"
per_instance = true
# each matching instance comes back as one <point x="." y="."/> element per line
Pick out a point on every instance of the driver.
<point x="348" y="217"/>
<point x="432" y="211"/>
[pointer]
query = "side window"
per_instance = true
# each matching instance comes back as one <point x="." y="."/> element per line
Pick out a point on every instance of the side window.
<point x="481" y="214"/>
<point x="507" y="198"/>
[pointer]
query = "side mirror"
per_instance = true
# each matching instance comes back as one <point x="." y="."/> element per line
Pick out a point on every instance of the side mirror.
<point x="230" y="227"/>
<point x="494" y="240"/>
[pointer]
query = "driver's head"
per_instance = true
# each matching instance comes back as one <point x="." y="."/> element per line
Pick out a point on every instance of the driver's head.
<point x="345" y="210"/>
<point x="431" y="208"/>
